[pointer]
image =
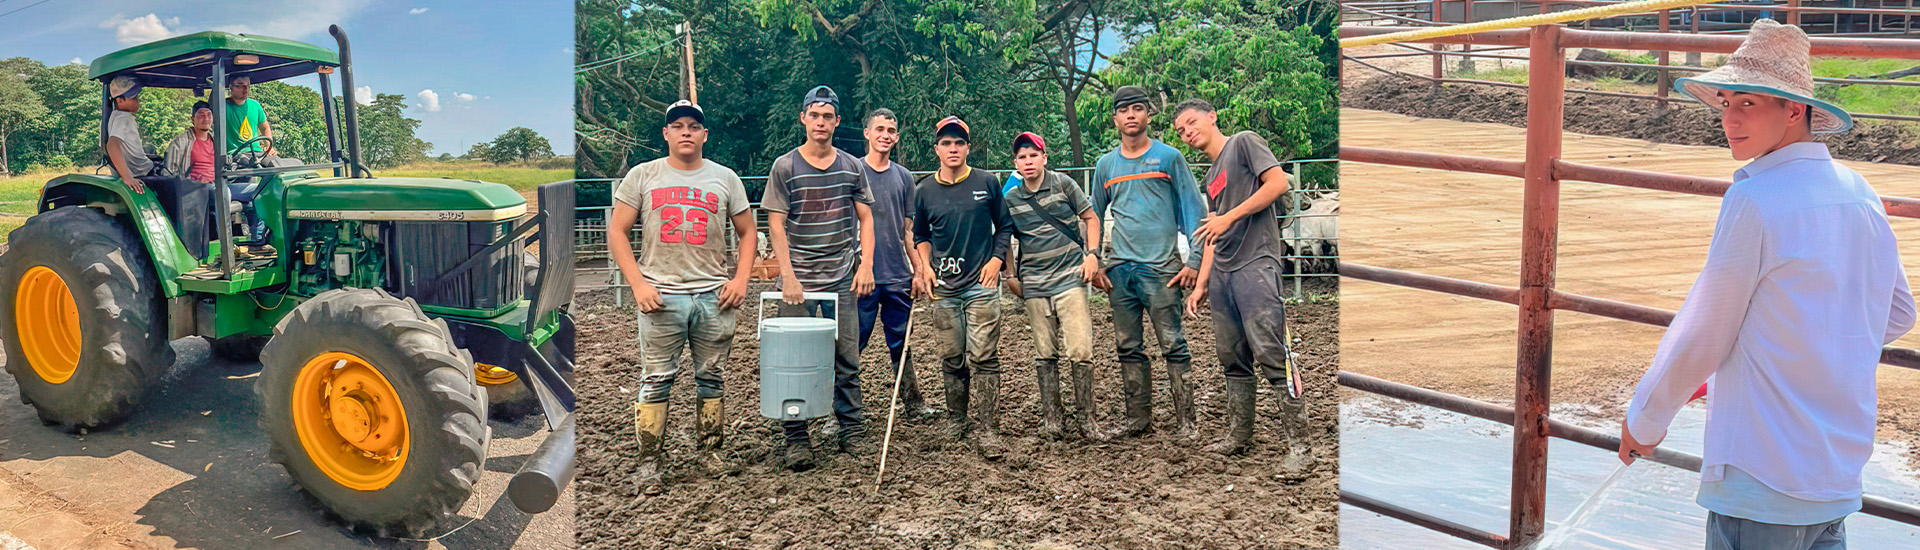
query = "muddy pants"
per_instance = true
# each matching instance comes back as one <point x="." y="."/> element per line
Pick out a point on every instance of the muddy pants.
<point x="847" y="405"/>
<point x="1731" y="533"/>
<point x="1062" y="326"/>
<point x="892" y="305"/>
<point x="1250" y="320"/>
<point x="692" y="321"/>
<point x="968" y="321"/>
<point x="1139" y="290"/>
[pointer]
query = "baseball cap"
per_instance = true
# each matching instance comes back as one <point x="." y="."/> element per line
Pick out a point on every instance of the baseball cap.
<point x="684" y="108"/>
<point x="1129" y="95"/>
<point x="124" y="86"/>
<point x="820" y="94"/>
<point x="942" y="127"/>
<point x="1029" y="137"/>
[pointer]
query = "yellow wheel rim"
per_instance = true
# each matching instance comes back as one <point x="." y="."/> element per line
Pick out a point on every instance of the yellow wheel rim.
<point x="350" y="421"/>
<point x="491" y="375"/>
<point x="48" y="323"/>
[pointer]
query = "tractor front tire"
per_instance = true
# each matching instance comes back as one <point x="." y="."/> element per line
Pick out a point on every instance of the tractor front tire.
<point x="82" y="316"/>
<point x="374" y="412"/>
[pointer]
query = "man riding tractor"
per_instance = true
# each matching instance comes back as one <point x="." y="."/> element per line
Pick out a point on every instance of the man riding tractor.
<point x="381" y="313"/>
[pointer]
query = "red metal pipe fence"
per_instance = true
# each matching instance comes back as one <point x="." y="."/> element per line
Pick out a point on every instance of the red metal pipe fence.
<point x="1537" y="299"/>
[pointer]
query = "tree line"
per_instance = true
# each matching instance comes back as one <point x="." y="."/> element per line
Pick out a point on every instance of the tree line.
<point x="1006" y="66"/>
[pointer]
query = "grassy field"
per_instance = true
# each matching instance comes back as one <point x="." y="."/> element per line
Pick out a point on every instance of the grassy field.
<point x="18" y="193"/>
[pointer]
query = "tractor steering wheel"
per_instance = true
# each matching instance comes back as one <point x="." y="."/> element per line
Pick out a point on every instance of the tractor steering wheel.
<point x="246" y="157"/>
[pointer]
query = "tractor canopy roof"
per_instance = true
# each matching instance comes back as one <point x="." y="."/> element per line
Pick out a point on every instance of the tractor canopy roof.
<point x="187" y="61"/>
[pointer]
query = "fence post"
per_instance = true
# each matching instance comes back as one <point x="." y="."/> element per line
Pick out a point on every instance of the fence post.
<point x="1793" y="14"/>
<point x="1662" y="83"/>
<point x="1539" y="235"/>
<point x="1439" y="61"/>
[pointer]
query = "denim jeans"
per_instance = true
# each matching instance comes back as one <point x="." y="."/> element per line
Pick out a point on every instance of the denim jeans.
<point x="969" y="323"/>
<point x="1140" y="290"/>
<point x="848" y="408"/>
<point x="1731" y="533"/>
<point x="892" y="305"/>
<point x="691" y="321"/>
<point x="1249" y="320"/>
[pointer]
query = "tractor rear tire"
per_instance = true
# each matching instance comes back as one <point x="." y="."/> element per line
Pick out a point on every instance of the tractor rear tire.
<point x="366" y="357"/>
<point x="82" y="317"/>
<point x="241" y="348"/>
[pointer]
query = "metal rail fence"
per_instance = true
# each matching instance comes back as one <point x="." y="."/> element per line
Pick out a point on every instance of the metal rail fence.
<point x="1435" y="13"/>
<point x="590" y="229"/>
<point x="1542" y="171"/>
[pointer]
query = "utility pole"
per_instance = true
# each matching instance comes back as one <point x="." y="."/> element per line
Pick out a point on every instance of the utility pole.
<point x="688" y="81"/>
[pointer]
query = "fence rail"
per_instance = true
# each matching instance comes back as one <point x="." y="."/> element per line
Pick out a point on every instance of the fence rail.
<point x="1542" y="170"/>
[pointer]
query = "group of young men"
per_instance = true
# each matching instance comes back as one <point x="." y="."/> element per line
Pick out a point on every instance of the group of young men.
<point x="190" y="156"/>
<point x="864" y="230"/>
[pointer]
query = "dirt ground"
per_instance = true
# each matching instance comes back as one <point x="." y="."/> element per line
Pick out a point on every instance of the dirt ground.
<point x="1618" y="243"/>
<point x="1150" y="492"/>
<point x="1686" y="123"/>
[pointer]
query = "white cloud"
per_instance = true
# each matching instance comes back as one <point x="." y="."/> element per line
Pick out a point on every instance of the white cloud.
<point x="138" y="30"/>
<point x="294" y="19"/>
<point x="428" y="100"/>
<point x="363" y="95"/>
<point x="416" y="11"/>
<point x="462" y="97"/>
<point x="76" y="61"/>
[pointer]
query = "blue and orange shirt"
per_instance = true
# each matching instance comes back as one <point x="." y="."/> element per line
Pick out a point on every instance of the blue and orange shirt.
<point x="1150" y="200"/>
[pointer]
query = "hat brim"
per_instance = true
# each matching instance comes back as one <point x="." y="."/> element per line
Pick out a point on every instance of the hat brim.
<point x="952" y="128"/>
<point x="675" y="113"/>
<point x="1827" y="117"/>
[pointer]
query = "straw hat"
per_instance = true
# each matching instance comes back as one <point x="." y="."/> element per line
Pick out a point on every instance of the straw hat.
<point x="1773" y="61"/>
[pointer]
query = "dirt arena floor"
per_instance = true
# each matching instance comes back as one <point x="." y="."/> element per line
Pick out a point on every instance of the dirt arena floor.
<point x="1618" y="243"/>
<point x="1150" y="492"/>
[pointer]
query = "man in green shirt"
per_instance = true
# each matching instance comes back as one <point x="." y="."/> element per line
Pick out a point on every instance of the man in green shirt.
<point x="246" y="118"/>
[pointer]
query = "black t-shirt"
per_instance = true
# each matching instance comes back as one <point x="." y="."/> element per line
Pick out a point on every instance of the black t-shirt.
<point x="967" y="224"/>
<point x="1234" y="177"/>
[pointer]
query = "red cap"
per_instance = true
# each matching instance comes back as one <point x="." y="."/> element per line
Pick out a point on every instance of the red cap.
<point x="1029" y="136"/>
<point x="942" y="125"/>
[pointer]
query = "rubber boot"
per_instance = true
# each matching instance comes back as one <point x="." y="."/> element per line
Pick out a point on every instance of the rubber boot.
<point x="957" y="407"/>
<point x="1181" y="387"/>
<point x="1298" y="463"/>
<point x="650" y="423"/>
<point x="987" y="405"/>
<point x="1134" y="382"/>
<point x="1083" y="398"/>
<point x="1052" y="415"/>
<point x="1239" y="418"/>
<point x="712" y="427"/>
<point x="914" y="404"/>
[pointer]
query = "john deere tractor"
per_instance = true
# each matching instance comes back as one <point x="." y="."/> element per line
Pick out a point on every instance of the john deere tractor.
<point x="383" y="310"/>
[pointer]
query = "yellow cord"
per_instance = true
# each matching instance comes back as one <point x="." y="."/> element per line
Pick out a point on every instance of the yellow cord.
<point x="1524" y="21"/>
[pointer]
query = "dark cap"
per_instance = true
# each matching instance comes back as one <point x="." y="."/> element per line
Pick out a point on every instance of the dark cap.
<point x="1129" y="95"/>
<point x="685" y="108"/>
<point x="952" y="124"/>
<point x="1029" y="137"/>
<point x="820" y="94"/>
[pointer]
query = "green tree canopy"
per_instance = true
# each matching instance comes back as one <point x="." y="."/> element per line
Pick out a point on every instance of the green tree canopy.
<point x="517" y="144"/>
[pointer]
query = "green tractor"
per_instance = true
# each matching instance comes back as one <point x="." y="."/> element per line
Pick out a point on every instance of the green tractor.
<point x="385" y="313"/>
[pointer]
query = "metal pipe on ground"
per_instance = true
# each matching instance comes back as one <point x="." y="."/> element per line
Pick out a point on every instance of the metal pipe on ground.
<point x="546" y="473"/>
<point x="1422" y="519"/>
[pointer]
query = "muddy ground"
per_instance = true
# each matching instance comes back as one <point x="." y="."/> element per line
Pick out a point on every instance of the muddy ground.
<point x="1686" y="123"/>
<point x="1150" y="492"/>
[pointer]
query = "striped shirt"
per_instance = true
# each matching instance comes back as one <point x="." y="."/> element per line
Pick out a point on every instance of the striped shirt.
<point x="823" y="232"/>
<point x="1049" y="259"/>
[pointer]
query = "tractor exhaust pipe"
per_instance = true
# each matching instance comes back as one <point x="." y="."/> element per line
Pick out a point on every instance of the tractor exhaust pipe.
<point x="347" y="91"/>
<point x="547" y="472"/>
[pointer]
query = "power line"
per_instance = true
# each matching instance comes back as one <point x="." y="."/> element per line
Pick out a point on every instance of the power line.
<point x="23" y="9"/>
<point x="614" y="61"/>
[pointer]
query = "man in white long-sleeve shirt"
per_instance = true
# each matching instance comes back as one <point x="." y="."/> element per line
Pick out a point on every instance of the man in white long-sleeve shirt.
<point x="1802" y="287"/>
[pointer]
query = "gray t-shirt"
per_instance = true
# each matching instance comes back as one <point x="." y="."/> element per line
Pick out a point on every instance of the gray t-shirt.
<point x="685" y="217"/>
<point x="823" y="232"/>
<point x="1234" y="177"/>
<point x="892" y="205"/>
<point x="1049" y="259"/>
<point x="121" y="124"/>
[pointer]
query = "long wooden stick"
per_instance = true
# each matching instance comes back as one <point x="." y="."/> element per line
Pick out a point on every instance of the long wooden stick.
<point x="899" y="371"/>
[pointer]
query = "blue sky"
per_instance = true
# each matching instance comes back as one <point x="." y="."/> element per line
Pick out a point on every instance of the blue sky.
<point x="470" y="70"/>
